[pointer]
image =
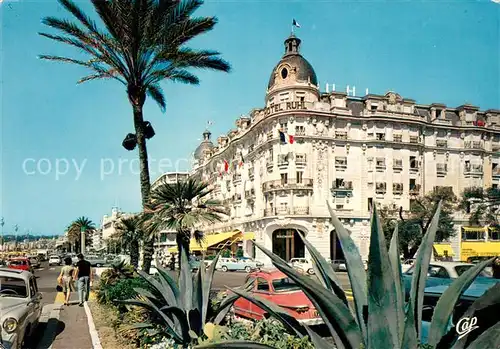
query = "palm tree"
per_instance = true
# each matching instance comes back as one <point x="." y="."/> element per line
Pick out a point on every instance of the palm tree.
<point x="142" y="45"/>
<point x="129" y="232"/>
<point x="75" y="231"/>
<point x="182" y="206"/>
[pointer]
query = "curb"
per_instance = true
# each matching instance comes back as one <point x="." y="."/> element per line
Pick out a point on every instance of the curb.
<point x="96" y="343"/>
<point x="53" y="312"/>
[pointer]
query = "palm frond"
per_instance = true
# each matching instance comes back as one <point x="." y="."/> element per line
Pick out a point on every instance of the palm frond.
<point x="155" y="92"/>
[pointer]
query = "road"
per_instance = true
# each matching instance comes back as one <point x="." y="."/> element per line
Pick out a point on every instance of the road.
<point x="47" y="276"/>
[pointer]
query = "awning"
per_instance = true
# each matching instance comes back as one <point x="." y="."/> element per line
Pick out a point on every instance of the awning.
<point x="249" y="236"/>
<point x="440" y="249"/>
<point x="474" y="229"/>
<point x="211" y="240"/>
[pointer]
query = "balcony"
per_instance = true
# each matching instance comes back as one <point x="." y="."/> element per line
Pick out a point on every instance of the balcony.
<point x="397" y="165"/>
<point x="441" y="169"/>
<point x="380" y="188"/>
<point x="306" y="183"/>
<point x="237" y="178"/>
<point x="300" y="159"/>
<point x="341" y="163"/>
<point x="250" y="193"/>
<point x="300" y="131"/>
<point x="270" y="135"/>
<point x="397" y="138"/>
<point x="473" y="169"/>
<point x="282" y="160"/>
<point x="441" y="143"/>
<point x="495" y="172"/>
<point x="280" y="211"/>
<point x="473" y="145"/>
<point x="415" y="189"/>
<point x="269" y="163"/>
<point x="380" y="164"/>
<point x="414" y="139"/>
<point x="341" y="135"/>
<point x="341" y="190"/>
<point x="397" y="188"/>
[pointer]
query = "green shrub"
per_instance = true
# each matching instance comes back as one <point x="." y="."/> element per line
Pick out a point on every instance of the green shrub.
<point x="120" y="291"/>
<point x="226" y="254"/>
<point x="239" y="253"/>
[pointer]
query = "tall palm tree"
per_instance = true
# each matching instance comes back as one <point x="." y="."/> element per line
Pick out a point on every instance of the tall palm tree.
<point x="143" y="43"/>
<point x="182" y="206"/>
<point x="129" y="232"/>
<point x="75" y="229"/>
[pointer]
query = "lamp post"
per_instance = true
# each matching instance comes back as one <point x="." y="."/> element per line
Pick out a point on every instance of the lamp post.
<point x="82" y="240"/>
<point x="2" y="223"/>
<point x="16" y="228"/>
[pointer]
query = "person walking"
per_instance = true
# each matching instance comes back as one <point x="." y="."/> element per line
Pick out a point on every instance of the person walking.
<point x="65" y="279"/>
<point x="83" y="275"/>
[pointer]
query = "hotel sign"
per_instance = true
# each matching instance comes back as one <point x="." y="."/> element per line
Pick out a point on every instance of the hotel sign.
<point x="285" y="106"/>
<point x="284" y="236"/>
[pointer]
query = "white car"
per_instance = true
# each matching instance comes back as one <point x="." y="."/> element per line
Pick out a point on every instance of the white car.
<point x="303" y="265"/>
<point x="343" y="266"/>
<point x="447" y="270"/>
<point x="54" y="260"/>
<point x="407" y="264"/>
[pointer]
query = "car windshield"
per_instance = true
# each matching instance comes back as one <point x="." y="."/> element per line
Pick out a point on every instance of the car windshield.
<point x="12" y="287"/>
<point x="460" y="269"/>
<point x="285" y="285"/>
<point x="17" y="262"/>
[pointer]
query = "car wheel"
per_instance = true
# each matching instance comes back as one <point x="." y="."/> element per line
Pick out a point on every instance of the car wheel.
<point x="224" y="268"/>
<point x="310" y="271"/>
<point x="248" y="269"/>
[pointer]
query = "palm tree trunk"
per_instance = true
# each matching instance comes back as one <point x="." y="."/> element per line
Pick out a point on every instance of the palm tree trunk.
<point x="137" y="99"/>
<point x="134" y="253"/>
<point x="182" y="238"/>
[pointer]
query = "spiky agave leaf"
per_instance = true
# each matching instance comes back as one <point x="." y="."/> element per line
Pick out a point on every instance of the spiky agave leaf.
<point x="446" y="303"/>
<point x="324" y="270"/>
<point x="487" y="339"/>
<point x="234" y="345"/>
<point x="382" y="319"/>
<point x="334" y="312"/>
<point x="395" y="260"/>
<point x="413" y="323"/>
<point x="355" y="268"/>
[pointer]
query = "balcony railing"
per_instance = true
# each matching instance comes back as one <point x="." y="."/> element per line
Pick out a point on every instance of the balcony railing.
<point x="300" y="159"/>
<point x="473" y="169"/>
<point x="397" y="188"/>
<point x="291" y="184"/>
<point x="296" y="211"/>
<point x="415" y="190"/>
<point x="473" y="145"/>
<point x="340" y="135"/>
<point x="300" y="132"/>
<point x="414" y="139"/>
<point x="397" y="165"/>
<point x="397" y="138"/>
<point x="441" y="143"/>
<point x="441" y="169"/>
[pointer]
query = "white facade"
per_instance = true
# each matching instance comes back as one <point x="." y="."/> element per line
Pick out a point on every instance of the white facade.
<point x="107" y="229"/>
<point x="348" y="151"/>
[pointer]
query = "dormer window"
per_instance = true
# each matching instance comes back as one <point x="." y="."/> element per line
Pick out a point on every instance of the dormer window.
<point x="284" y="73"/>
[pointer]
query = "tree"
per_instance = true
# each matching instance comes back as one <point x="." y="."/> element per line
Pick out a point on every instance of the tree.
<point x="75" y="231"/>
<point x="483" y="205"/>
<point x="412" y="224"/>
<point x="182" y="206"/>
<point x="143" y="44"/>
<point x="129" y="232"/>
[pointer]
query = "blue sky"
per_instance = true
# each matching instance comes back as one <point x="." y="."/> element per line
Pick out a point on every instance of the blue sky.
<point x="440" y="51"/>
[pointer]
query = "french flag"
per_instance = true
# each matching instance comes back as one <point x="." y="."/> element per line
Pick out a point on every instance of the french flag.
<point x="284" y="138"/>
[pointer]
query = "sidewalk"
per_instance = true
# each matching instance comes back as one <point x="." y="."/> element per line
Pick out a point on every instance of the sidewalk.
<point x="68" y="326"/>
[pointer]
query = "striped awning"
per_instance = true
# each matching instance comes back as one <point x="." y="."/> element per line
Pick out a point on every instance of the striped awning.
<point x="474" y="229"/>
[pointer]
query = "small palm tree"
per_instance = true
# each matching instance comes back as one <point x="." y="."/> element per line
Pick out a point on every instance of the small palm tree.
<point x="182" y="206"/>
<point x="143" y="44"/>
<point x="129" y="232"/>
<point x="75" y="231"/>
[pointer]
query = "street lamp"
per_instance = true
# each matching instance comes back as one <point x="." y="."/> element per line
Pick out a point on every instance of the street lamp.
<point x="2" y="223"/>
<point x="82" y="240"/>
<point x="16" y="228"/>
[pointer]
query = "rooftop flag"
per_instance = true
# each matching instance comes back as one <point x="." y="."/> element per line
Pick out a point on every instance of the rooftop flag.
<point x="295" y="23"/>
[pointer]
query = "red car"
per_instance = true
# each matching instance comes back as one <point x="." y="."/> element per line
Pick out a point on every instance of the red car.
<point x="276" y="287"/>
<point x="20" y="263"/>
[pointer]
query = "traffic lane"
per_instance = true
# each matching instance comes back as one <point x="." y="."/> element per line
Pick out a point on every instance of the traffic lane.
<point x="47" y="282"/>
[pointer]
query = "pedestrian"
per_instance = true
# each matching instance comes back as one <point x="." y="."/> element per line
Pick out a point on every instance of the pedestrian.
<point x="65" y="279"/>
<point x="172" y="262"/>
<point x="83" y="275"/>
<point x="496" y="268"/>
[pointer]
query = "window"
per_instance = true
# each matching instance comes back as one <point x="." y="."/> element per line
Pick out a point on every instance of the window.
<point x="284" y="178"/>
<point x="339" y="207"/>
<point x="380" y="163"/>
<point x="413" y="162"/>
<point x="340" y="162"/>
<point x="397" y="138"/>
<point x="398" y="164"/>
<point x="284" y="73"/>
<point x="380" y="136"/>
<point x="14" y="287"/>
<point x="262" y="285"/>
<point x="284" y="127"/>
<point x="302" y="99"/>
<point x="32" y="287"/>
<point x="285" y="285"/>
<point x="249" y="283"/>
<point x="438" y="272"/>
<point x="299" y="176"/>
<point x="284" y="97"/>
<point x="300" y="130"/>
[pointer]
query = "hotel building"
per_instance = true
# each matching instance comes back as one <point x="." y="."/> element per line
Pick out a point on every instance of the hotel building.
<point x="346" y="150"/>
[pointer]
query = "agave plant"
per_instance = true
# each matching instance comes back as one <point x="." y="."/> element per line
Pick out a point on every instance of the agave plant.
<point x="380" y="318"/>
<point x="185" y="308"/>
<point x="118" y="271"/>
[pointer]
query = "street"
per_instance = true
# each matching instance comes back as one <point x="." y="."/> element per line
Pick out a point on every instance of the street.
<point x="64" y="327"/>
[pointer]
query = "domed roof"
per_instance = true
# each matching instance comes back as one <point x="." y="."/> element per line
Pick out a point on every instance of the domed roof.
<point x="304" y="70"/>
<point x="206" y="144"/>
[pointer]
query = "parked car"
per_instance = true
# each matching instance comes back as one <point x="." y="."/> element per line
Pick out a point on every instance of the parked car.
<point x="20" y="263"/>
<point x="407" y="264"/>
<point x="35" y="262"/>
<point x="96" y="261"/>
<point x="303" y="265"/>
<point x="485" y="317"/>
<point x="276" y="287"/>
<point x="343" y="266"/>
<point x="336" y="263"/>
<point x="443" y="273"/>
<point x="20" y="307"/>
<point x="54" y="260"/>
<point x="233" y="264"/>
